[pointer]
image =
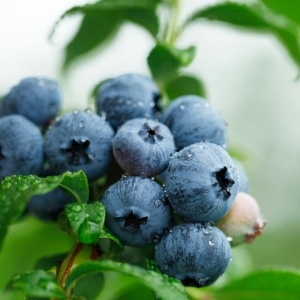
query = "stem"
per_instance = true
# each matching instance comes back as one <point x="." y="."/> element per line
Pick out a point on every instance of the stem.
<point x="78" y="253"/>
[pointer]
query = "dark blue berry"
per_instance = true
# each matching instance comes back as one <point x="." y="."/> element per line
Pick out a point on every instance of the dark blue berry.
<point x="202" y="182"/>
<point x="244" y="182"/>
<point x="36" y="98"/>
<point x="80" y="141"/>
<point x="191" y="119"/>
<point x="143" y="147"/>
<point x="48" y="206"/>
<point x="126" y="97"/>
<point x="137" y="211"/>
<point x="21" y="147"/>
<point x="196" y="254"/>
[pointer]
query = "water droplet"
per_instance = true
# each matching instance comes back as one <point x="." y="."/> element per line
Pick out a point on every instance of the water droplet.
<point x="229" y="239"/>
<point x="152" y="104"/>
<point x="211" y="242"/>
<point x="166" y="267"/>
<point x="231" y="258"/>
<point x="41" y="83"/>
<point x="76" y="208"/>
<point x="76" y="218"/>
<point x="81" y="124"/>
<point x="206" y="230"/>
<point x="88" y="110"/>
<point x="140" y="103"/>
<point x="182" y="106"/>
<point x="75" y="112"/>
<point x="157" y="202"/>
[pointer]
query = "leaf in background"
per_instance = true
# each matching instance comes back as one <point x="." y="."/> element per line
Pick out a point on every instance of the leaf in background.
<point x="290" y="9"/>
<point x="36" y="283"/>
<point x="86" y="220"/>
<point x="16" y="191"/>
<point x="164" y="62"/>
<point x="252" y="17"/>
<point x="101" y="21"/>
<point x="185" y="85"/>
<point x="89" y="287"/>
<point x="95" y="29"/>
<point x="185" y="56"/>
<point x="266" y="284"/>
<point x="47" y="263"/>
<point x="162" y="285"/>
<point x="145" y="18"/>
<point x="106" y="234"/>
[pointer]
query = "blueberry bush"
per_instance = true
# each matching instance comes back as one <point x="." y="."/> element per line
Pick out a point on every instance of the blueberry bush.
<point x="143" y="188"/>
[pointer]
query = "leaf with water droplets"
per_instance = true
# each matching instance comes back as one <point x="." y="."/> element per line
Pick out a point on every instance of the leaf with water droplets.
<point x="16" y="191"/>
<point x="36" y="283"/>
<point x="162" y="285"/>
<point x="106" y="234"/>
<point x="86" y="220"/>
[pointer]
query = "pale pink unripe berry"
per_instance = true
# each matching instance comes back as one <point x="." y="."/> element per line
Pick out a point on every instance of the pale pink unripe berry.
<point x="243" y="222"/>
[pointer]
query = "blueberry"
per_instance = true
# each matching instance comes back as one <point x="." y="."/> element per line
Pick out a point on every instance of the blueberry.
<point x="191" y="120"/>
<point x="126" y="97"/>
<point x="36" y="98"/>
<point x="143" y="147"/>
<point x="137" y="211"/>
<point x="21" y="147"/>
<point x="244" y="182"/>
<point x="243" y="223"/>
<point x="196" y="254"/>
<point x="48" y="206"/>
<point x="202" y="182"/>
<point x="80" y="141"/>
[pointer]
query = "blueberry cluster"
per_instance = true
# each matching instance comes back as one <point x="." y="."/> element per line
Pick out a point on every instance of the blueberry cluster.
<point x="178" y="182"/>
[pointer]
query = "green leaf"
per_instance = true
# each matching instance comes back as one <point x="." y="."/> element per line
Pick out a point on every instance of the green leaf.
<point x="101" y="21"/>
<point x="290" y="9"/>
<point x="185" y="56"/>
<point x="37" y="283"/>
<point x="16" y="191"/>
<point x="96" y="28"/>
<point x="162" y="285"/>
<point x="89" y="287"/>
<point x="86" y="220"/>
<point x="145" y="18"/>
<point x="265" y="284"/>
<point x="252" y="17"/>
<point x="185" y="85"/>
<point x="47" y="263"/>
<point x="164" y="62"/>
<point x="106" y="234"/>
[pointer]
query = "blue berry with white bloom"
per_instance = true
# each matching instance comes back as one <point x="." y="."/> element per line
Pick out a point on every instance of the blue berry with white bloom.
<point x="137" y="211"/>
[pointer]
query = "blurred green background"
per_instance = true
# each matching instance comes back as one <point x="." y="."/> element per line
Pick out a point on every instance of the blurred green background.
<point x="248" y="77"/>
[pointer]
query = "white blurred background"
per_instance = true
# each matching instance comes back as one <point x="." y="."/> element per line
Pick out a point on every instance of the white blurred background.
<point x="249" y="78"/>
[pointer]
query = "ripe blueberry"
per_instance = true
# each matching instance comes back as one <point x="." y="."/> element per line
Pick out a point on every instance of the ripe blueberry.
<point x="191" y="120"/>
<point x="80" y="141"/>
<point x="136" y="210"/>
<point x="21" y="147"/>
<point x="36" y="98"/>
<point x="48" y="206"/>
<point x="244" y="183"/>
<point x="143" y="147"/>
<point x="202" y="182"/>
<point x="196" y="254"/>
<point x="126" y="97"/>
